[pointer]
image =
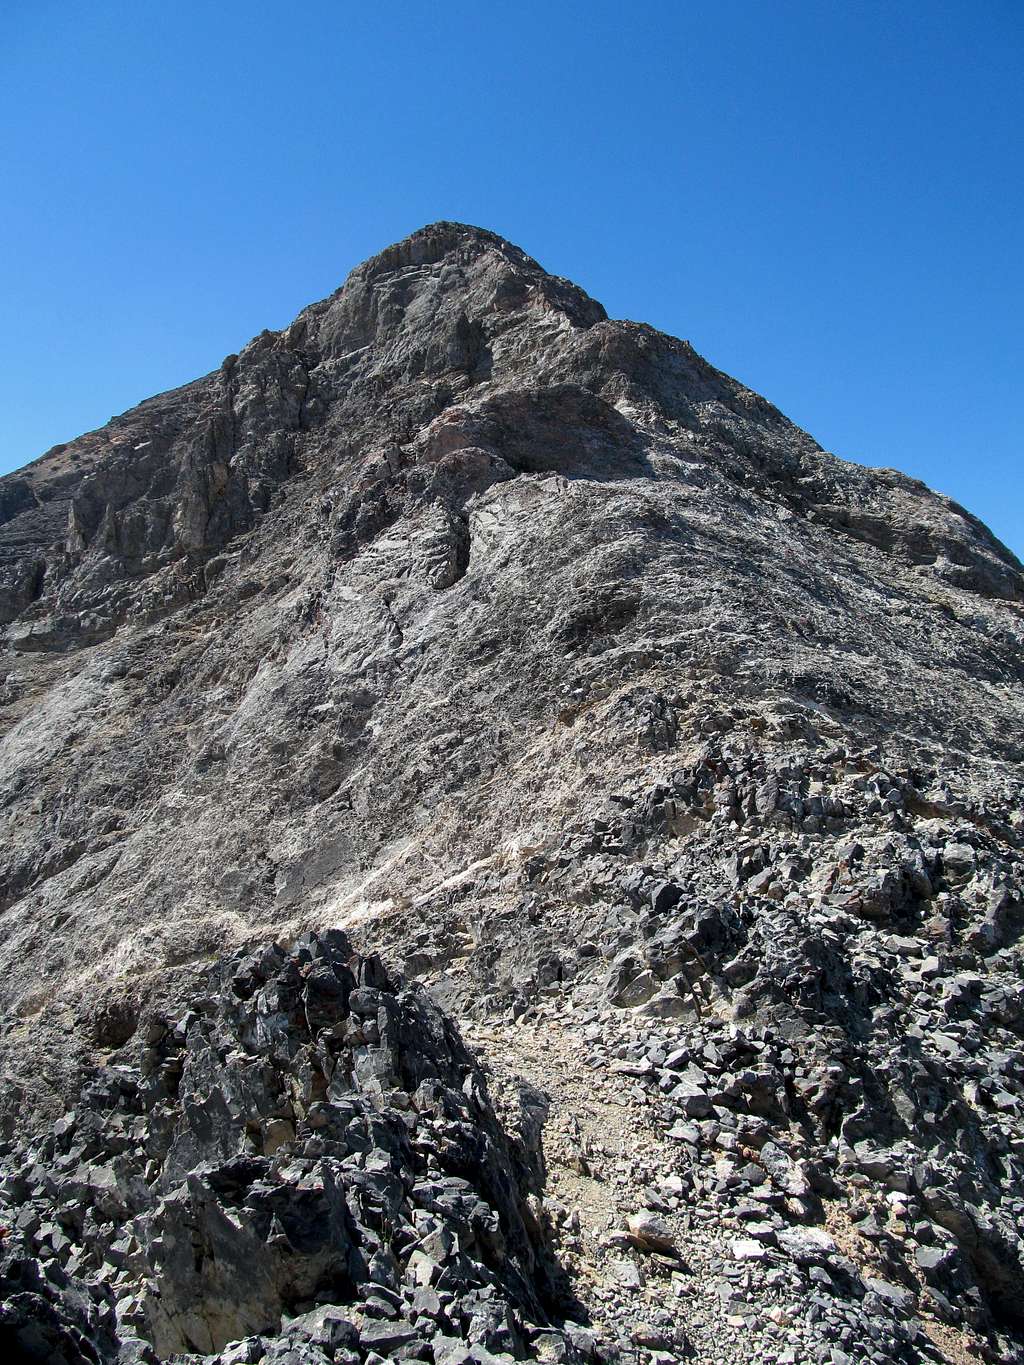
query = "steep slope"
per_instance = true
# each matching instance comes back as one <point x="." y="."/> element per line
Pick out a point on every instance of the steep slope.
<point x="538" y="654"/>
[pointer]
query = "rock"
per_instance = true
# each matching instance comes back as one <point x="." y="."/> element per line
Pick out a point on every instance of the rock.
<point x="691" y="1098"/>
<point x="664" y="896"/>
<point x="628" y="1274"/>
<point x="326" y="1327"/>
<point x="685" y="1132"/>
<point x="958" y="858"/>
<point x="667" y="1005"/>
<point x="807" y="1246"/>
<point x="649" y="1232"/>
<point x="931" y="1260"/>
<point x="386" y="1337"/>
<point x="902" y="1299"/>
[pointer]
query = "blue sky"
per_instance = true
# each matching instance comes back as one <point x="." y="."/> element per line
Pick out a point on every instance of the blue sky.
<point x="825" y="198"/>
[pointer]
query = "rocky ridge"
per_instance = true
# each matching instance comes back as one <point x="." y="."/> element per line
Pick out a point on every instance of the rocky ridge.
<point x="675" y="758"/>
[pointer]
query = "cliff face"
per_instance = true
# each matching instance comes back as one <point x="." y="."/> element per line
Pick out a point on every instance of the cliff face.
<point x="466" y="619"/>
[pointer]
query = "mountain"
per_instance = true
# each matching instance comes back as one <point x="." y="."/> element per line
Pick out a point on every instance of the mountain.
<point x="672" y="758"/>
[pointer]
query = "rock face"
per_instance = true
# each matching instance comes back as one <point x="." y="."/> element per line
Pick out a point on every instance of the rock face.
<point x="676" y="758"/>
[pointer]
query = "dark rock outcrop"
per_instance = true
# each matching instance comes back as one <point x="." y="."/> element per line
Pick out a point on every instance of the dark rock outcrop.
<point x="307" y="1155"/>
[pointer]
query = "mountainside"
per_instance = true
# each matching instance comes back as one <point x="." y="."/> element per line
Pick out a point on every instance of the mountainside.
<point x="676" y="759"/>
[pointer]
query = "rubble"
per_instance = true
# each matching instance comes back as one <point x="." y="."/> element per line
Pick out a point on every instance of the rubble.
<point x="307" y="1155"/>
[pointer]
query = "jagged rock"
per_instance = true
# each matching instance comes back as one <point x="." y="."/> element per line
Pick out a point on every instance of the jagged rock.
<point x="211" y="1239"/>
<point x="649" y="1232"/>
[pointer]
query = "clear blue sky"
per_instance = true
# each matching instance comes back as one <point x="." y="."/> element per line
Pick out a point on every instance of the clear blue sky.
<point x="825" y="196"/>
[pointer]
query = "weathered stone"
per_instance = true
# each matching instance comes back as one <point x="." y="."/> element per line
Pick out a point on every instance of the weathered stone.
<point x="649" y="1232"/>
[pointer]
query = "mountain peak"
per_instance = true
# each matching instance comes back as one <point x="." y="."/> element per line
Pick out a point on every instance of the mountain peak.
<point x="434" y="242"/>
<point x="677" y="758"/>
<point x="430" y="280"/>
